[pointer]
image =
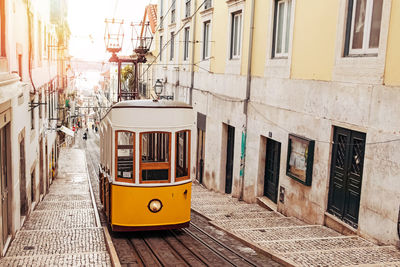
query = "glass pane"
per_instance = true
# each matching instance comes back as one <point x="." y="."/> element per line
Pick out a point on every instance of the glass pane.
<point x="287" y="34"/>
<point x="239" y="30"/>
<point x="155" y="175"/>
<point x="375" y="24"/>
<point x="359" y="22"/>
<point x="182" y="152"/>
<point x="155" y="147"/>
<point x="235" y="35"/>
<point x="279" y="30"/>
<point x="125" y="155"/>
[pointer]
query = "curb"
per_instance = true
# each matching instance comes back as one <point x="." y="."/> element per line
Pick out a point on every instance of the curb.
<point x="111" y="249"/>
<point x="109" y="244"/>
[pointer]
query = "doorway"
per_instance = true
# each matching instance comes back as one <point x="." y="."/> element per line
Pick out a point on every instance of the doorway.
<point x="272" y="165"/>
<point x="41" y="176"/>
<point x="346" y="175"/>
<point x="5" y="180"/>
<point x="229" y="159"/>
<point x="201" y="138"/>
<point x="22" y="178"/>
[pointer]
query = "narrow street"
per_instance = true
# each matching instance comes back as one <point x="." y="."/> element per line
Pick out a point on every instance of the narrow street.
<point x="198" y="245"/>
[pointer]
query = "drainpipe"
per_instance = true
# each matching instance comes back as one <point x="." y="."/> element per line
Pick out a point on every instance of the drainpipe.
<point x="246" y="103"/>
<point x="192" y="58"/>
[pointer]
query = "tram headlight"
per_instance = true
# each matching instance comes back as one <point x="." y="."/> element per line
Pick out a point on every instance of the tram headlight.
<point x="155" y="205"/>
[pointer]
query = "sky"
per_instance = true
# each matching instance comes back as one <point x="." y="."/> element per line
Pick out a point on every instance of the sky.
<point x="86" y="22"/>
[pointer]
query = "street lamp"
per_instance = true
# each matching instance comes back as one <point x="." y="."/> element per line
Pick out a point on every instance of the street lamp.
<point x="158" y="87"/>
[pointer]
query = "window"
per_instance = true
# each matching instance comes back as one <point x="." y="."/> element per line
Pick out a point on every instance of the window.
<point x="236" y="35"/>
<point x="182" y="155"/>
<point x="2" y="29"/>
<point x="173" y="10"/>
<point x="207" y="4"/>
<point x="363" y="27"/>
<point x="155" y="150"/>
<point x="32" y="115"/>
<point x="161" y="47"/>
<point x="187" y="8"/>
<point x="206" y="40"/>
<point x="172" y="47"/>
<point x="186" y="45"/>
<point x="281" y="37"/>
<point x="161" y="13"/>
<point x="40" y="104"/>
<point x="124" y="154"/>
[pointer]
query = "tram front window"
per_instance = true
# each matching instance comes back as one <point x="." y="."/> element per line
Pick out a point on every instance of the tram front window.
<point x="182" y="155"/>
<point x="125" y="154"/>
<point x="155" y="157"/>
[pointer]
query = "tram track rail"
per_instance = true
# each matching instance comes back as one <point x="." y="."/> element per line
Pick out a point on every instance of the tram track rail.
<point x="193" y="246"/>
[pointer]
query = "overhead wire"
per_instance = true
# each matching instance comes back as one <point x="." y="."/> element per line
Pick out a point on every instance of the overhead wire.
<point x="176" y="33"/>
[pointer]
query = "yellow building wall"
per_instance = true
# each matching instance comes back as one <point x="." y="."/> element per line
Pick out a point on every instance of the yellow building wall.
<point x="260" y="38"/>
<point x="219" y="35"/>
<point x="314" y="39"/>
<point x="198" y="37"/>
<point x="245" y="37"/>
<point x="392" y="68"/>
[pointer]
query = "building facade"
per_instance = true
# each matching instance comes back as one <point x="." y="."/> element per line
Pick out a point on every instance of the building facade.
<point x="296" y="101"/>
<point x="29" y="89"/>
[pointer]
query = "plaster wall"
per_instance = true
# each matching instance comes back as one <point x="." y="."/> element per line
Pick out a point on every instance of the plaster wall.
<point x="311" y="109"/>
<point x="392" y="68"/>
<point x="314" y="20"/>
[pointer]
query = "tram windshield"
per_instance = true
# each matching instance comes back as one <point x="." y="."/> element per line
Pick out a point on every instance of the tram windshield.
<point x="155" y="156"/>
<point x="125" y="154"/>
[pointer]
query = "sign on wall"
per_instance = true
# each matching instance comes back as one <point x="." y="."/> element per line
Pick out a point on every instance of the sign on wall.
<point x="300" y="159"/>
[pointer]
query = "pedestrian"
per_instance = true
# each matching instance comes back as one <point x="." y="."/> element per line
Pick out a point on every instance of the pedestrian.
<point x="96" y="129"/>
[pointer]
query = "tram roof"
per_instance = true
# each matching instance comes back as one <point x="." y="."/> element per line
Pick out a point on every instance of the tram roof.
<point x="151" y="104"/>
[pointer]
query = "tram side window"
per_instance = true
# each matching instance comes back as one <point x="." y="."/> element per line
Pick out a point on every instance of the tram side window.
<point x="155" y="157"/>
<point x="125" y="154"/>
<point x="182" y="155"/>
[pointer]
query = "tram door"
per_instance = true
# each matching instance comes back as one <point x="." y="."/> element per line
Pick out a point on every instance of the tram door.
<point x="229" y="159"/>
<point x="201" y="138"/>
<point x="4" y="155"/>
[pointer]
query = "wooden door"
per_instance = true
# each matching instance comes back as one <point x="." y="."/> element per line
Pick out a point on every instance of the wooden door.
<point x="272" y="165"/>
<point x="229" y="159"/>
<point x="4" y="182"/>
<point x="346" y="175"/>
<point x="201" y="136"/>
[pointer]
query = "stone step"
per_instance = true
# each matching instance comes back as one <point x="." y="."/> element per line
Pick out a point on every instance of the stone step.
<point x="41" y="242"/>
<point x="381" y="256"/>
<point x="75" y="259"/>
<point x="64" y="205"/>
<point x="257" y="223"/>
<point x="285" y="233"/>
<point x="243" y="215"/>
<point x="316" y="244"/>
<point x="60" y="219"/>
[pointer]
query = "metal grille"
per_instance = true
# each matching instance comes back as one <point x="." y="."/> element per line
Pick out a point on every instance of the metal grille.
<point x="357" y="155"/>
<point x="341" y="151"/>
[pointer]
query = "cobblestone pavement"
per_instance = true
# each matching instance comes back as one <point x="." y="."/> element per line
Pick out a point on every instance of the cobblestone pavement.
<point x="62" y="230"/>
<point x="288" y="239"/>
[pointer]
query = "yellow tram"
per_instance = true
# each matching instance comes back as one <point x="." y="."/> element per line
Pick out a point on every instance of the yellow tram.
<point x="145" y="181"/>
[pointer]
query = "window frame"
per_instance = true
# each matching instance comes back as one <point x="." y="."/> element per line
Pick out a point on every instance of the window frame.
<point x="121" y="179"/>
<point x="186" y="43"/>
<point x="187" y="177"/>
<point x="2" y="29"/>
<point x="350" y="22"/>
<point x="235" y="51"/>
<point x="172" y="47"/>
<point x="188" y="5"/>
<point x="173" y="12"/>
<point x="207" y="4"/>
<point x="286" y="29"/>
<point x="161" y="26"/>
<point x="206" y="39"/>
<point x="154" y="165"/>
<point x="161" y="47"/>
